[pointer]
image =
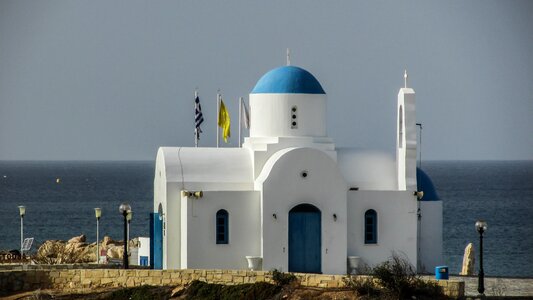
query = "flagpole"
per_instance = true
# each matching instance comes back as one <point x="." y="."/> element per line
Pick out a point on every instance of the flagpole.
<point x="218" y="114"/>
<point x="240" y="120"/>
<point x="195" y="127"/>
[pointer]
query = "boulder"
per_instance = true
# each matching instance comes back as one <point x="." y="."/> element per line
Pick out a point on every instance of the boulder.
<point x="51" y="249"/>
<point x="78" y="239"/>
<point x="469" y="259"/>
<point x="115" y="252"/>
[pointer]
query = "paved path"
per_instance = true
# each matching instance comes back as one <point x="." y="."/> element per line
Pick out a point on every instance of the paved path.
<point x="498" y="286"/>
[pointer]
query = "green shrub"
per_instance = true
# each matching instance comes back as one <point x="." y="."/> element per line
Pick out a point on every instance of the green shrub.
<point x="282" y="279"/>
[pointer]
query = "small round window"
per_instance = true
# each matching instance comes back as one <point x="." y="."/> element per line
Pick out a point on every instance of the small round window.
<point x="304" y="174"/>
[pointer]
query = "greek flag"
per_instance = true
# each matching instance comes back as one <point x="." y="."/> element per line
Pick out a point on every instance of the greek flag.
<point x="199" y="117"/>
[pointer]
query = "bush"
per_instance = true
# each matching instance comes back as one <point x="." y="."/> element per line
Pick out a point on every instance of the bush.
<point x="201" y="290"/>
<point x="399" y="279"/>
<point x="362" y="285"/>
<point x="282" y="279"/>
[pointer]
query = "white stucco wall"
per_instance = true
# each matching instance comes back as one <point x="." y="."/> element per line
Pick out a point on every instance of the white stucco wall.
<point x="270" y="115"/>
<point x="282" y="188"/>
<point x="406" y="143"/>
<point x="200" y="250"/>
<point x="430" y="240"/>
<point x="397" y="225"/>
<point x="367" y="169"/>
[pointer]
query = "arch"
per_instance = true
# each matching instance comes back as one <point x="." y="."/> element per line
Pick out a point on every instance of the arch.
<point x="371" y="227"/>
<point x="400" y="128"/>
<point x="305" y="242"/>
<point x="222" y="227"/>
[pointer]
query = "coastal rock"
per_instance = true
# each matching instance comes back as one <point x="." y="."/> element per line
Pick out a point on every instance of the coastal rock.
<point x="78" y="239"/>
<point x="115" y="252"/>
<point x="108" y="242"/>
<point x="468" y="260"/>
<point x="51" y="249"/>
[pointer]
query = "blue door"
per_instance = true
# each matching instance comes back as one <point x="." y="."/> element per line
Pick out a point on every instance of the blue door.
<point x="305" y="239"/>
<point x="156" y="241"/>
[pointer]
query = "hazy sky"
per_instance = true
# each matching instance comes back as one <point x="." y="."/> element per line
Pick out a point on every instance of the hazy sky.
<point x="114" y="80"/>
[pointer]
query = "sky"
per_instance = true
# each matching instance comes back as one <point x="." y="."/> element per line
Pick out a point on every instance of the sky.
<point x="114" y="80"/>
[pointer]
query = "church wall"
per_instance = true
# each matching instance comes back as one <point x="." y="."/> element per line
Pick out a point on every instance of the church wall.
<point x="430" y="254"/>
<point x="396" y="225"/>
<point x="271" y="115"/>
<point x="198" y="221"/>
<point x="284" y="188"/>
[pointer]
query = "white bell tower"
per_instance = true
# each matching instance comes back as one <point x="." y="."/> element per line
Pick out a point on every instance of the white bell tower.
<point x="406" y="142"/>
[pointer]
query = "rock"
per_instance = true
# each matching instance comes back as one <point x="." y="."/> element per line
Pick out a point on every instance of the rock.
<point x="78" y="239"/>
<point x="115" y="252"/>
<point x="51" y="249"/>
<point x="469" y="259"/>
<point x="108" y="242"/>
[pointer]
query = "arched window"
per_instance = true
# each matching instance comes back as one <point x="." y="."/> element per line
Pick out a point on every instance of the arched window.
<point x="400" y="128"/>
<point x="371" y="227"/>
<point x="222" y="232"/>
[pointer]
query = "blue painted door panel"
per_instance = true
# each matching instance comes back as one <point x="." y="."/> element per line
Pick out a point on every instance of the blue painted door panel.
<point x="156" y="241"/>
<point x="304" y="242"/>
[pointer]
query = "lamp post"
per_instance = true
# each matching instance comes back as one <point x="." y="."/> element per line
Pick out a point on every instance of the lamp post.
<point x="481" y="227"/>
<point x="22" y="212"/>
<point x="129" y="216"/>
<point x="98" y="213"/>
<point x="124" y="209"/>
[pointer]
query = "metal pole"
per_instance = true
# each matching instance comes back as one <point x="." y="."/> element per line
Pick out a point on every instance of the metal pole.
<point x="240" y="119"/>
<point x="481" y="278"/>
<point x="125" y="256"/>
<point x="195" y="128"/>
<point x="218" y="114"/>
<point x="97" y="239"/>
<point x="21" y="235"/>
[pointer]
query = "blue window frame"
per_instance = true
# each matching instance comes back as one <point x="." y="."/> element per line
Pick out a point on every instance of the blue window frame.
<point x="371" y="227"/>
<point x="222" y="232"/>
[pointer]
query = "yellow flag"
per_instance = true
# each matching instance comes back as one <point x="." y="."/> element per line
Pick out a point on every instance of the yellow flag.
<point x="224" y="121"/>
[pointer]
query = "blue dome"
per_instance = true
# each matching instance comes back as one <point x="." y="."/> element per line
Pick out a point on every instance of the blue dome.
<point x="425" y="184"/>
<point x="288" y="80"/>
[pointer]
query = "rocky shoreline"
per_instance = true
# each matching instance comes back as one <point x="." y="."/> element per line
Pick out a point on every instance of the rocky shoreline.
<point x="75" y="250"/>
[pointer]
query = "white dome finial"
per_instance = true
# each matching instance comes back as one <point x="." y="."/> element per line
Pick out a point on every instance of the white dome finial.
<point x="288" y="57"/>
<point x="405" y="78"/>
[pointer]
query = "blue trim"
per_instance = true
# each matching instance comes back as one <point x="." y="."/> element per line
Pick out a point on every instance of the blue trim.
<point x="425" y="184"/>
<point x="222" y="226"/>
<point x="305" y="239"/>
<point x="371" y="227"/>
<point x="156" y="242"/>
<point x="288" y="80"/>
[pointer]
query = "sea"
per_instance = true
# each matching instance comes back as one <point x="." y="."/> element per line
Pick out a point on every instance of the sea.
<point x="60" y="197"/>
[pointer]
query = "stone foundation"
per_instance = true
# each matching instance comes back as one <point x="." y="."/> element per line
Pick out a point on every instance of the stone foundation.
<point x="85" y="280"/>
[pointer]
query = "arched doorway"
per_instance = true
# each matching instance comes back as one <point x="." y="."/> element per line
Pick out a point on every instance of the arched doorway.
<point x="305" y="239"/>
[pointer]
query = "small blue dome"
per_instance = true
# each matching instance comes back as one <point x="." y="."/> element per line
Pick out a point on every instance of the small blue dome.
<point x="288" y="80"/>
<point x="425" y="184"/>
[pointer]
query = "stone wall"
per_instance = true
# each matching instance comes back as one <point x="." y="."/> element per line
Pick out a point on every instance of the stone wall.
<point x="85" y="280"/>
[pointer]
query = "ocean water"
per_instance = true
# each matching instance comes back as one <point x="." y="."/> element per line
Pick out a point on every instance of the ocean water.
<point x="500" y="192"/>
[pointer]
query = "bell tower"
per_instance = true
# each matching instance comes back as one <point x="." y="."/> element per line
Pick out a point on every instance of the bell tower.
<point x="406" y="143"/>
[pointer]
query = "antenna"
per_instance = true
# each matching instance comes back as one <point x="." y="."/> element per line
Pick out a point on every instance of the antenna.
<point x="405" y="76"/>
<point x="288" y="57"/>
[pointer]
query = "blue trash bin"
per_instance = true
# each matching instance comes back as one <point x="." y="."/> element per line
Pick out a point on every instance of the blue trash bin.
<point x="441" y="272"/>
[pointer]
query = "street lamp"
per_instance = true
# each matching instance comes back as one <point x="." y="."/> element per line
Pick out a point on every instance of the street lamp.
<point x="124" y="209"/>
<point x="129" y="216"/>
<point x="22" y="212"/>
<point x="98" y="213"/>
<point x="481" y="226"/>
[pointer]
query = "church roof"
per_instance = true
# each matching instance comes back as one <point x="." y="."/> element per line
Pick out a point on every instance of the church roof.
<point x="288" y="80"/>
<point x="425" y="184"/>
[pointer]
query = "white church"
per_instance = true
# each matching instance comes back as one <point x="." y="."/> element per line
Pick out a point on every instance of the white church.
<point x="289" y="199"/>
